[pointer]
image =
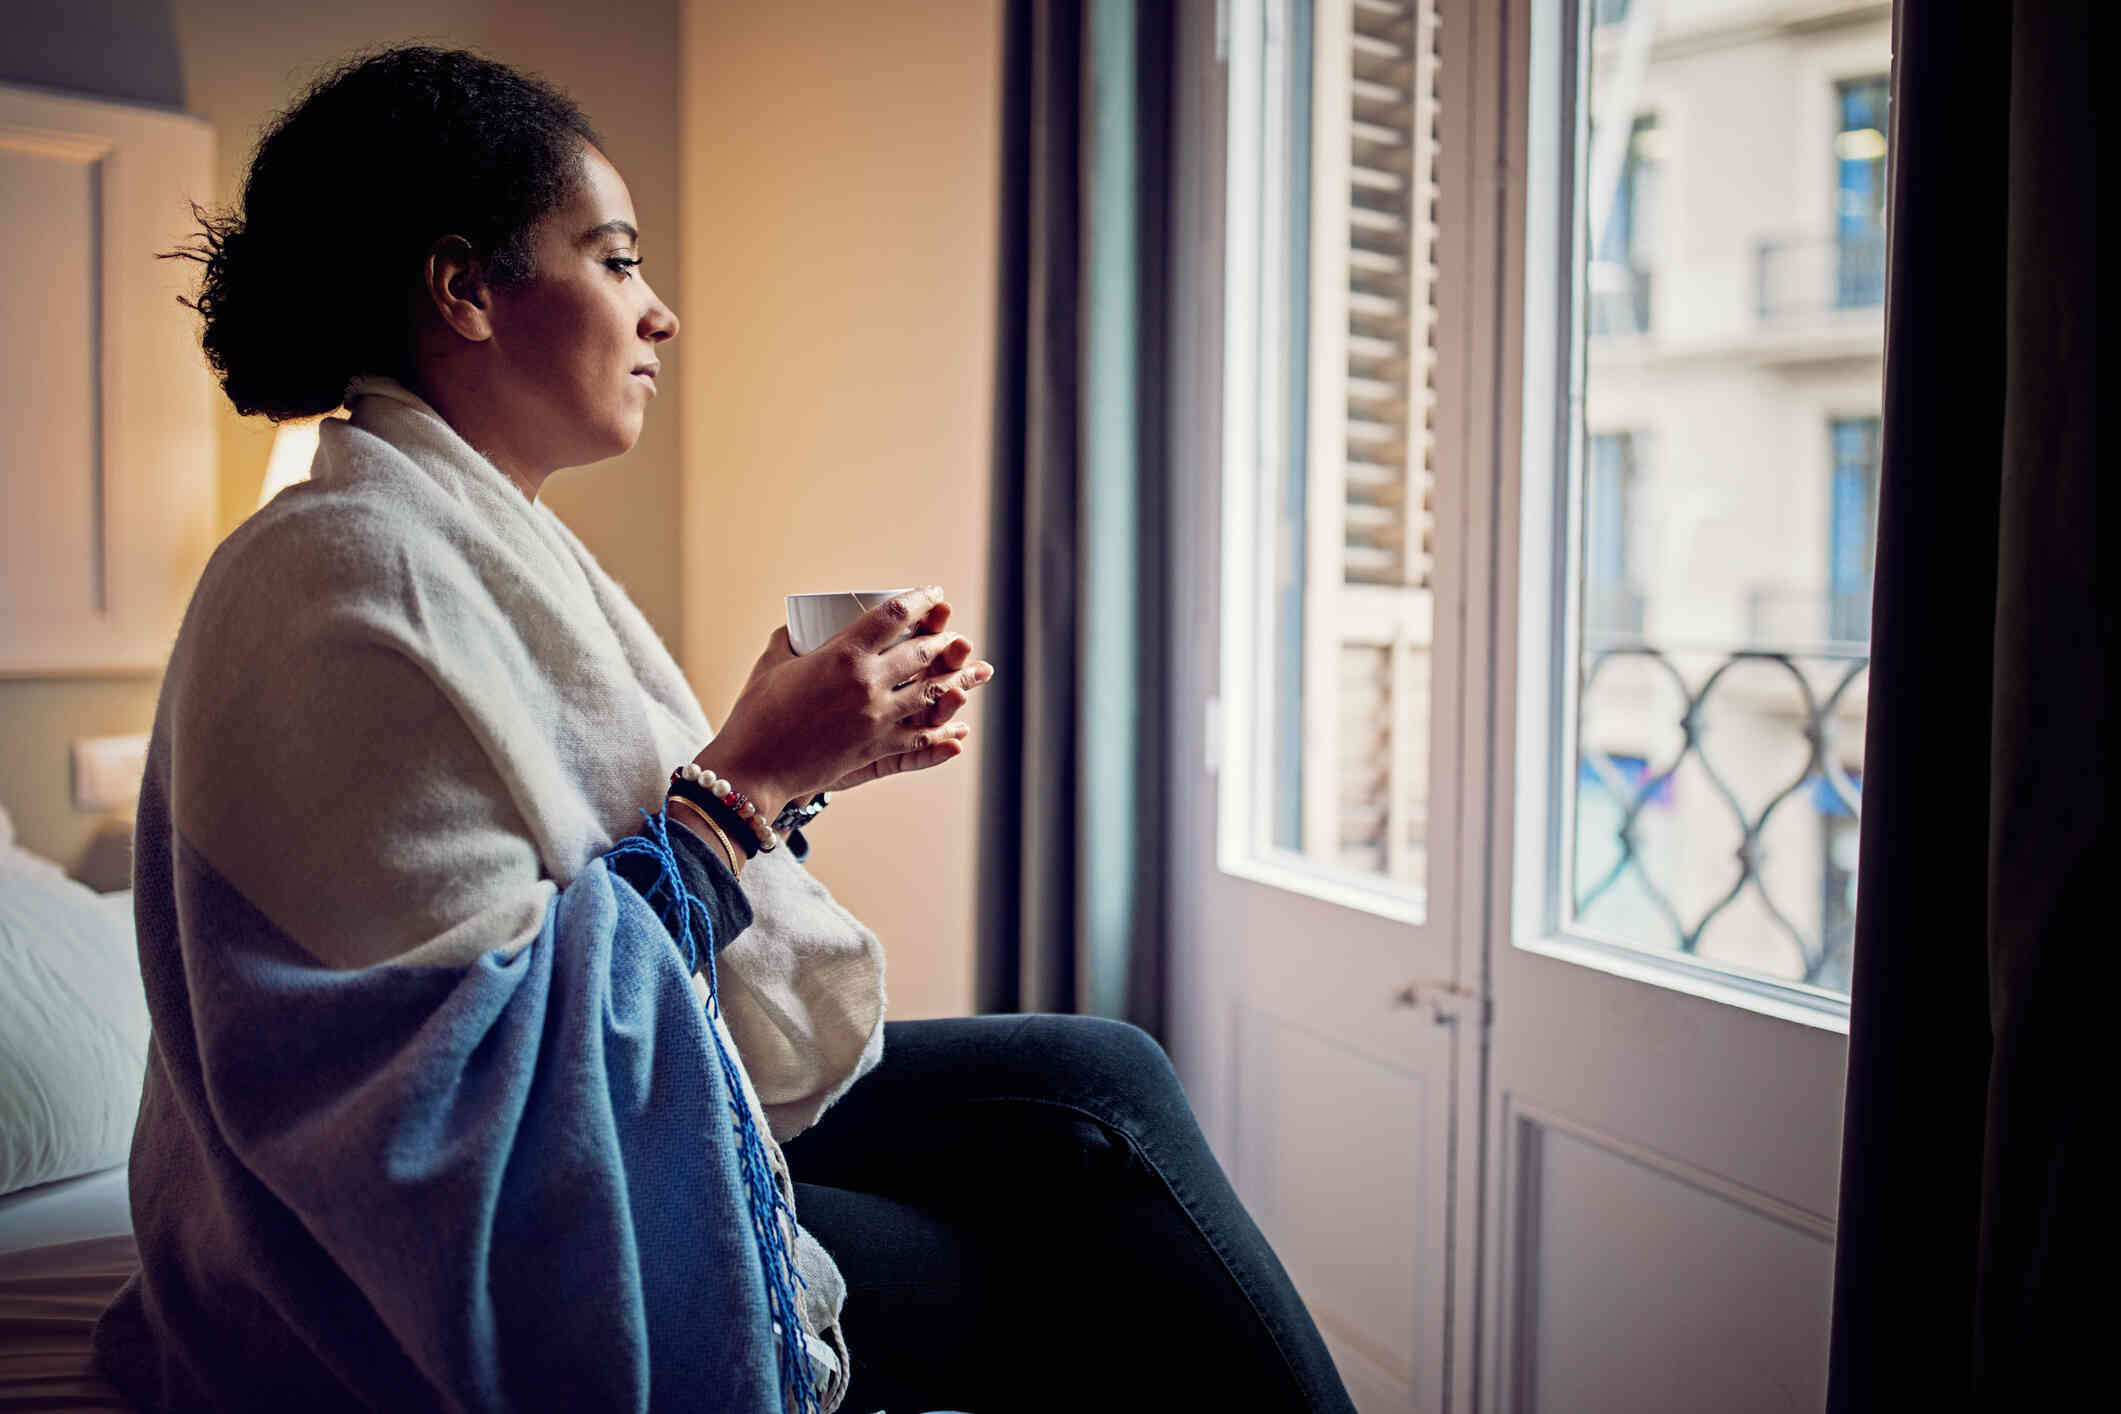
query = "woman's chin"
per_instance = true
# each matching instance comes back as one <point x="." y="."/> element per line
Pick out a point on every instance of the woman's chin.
<point x="617" y="440"/>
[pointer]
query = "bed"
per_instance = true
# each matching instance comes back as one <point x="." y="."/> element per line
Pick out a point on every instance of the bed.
<point x="73" y="1041"/>
<point x="65" y="1249"/>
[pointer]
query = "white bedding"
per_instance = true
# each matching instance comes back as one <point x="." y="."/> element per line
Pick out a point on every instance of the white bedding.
<point x="73" y="1024"/>
<point x="92" y="1205"/>
<point x="73" y="1030"/>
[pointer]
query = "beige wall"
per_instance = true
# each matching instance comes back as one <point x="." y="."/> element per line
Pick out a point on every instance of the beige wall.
<point x="839" y="215"/>
<point x="235" y="65"/>
<point x="38" y="718"/>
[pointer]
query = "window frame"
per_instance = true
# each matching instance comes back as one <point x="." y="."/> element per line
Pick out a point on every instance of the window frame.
<point x="1549" y="529"/>
<point x="1254" y="421"/>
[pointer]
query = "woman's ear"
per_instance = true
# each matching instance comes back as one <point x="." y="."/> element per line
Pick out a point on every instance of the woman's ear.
<point x="455" y="284"/>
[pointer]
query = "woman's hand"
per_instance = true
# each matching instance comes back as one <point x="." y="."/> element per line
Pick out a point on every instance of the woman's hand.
<point x="857" y="709"/>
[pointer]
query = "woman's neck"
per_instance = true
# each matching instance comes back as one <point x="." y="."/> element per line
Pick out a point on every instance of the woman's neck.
<point x="474" y="419"/>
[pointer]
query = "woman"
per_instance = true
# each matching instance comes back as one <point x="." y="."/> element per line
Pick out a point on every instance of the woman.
<point x="434" y="1114"/>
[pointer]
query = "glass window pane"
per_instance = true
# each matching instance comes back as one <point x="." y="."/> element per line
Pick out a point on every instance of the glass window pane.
<point x="1733" y="210"/>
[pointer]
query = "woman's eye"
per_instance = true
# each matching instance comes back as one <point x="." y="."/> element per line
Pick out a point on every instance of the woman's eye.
<point x="623" y="264"/>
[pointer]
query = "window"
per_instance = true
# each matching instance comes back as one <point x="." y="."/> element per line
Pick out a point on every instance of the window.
<point x="1329" y="519"/>
<point x="1707" y="685"/>
<point x="1838" y="838"/>
<point x="1618" y="281"/>
<point x="1854" y="528"/>
<point x="1859" y="194"/>
<point x="1612" y="604"/>
<point x="1837" y="260"/>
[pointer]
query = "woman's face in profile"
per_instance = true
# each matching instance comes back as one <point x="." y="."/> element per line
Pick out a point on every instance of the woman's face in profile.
<point x="580" y="337"/>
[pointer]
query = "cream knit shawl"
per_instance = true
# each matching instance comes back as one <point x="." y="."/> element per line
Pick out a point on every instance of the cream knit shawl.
<point x="420" y="707"/>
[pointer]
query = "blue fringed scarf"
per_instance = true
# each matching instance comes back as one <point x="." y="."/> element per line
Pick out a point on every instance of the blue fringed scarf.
<point x="772" y="1219"/>
<point x="529" y="1182"/>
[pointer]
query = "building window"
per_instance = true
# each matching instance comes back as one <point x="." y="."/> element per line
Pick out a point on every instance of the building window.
<point x="1859" y="194"/>
<point x="1618" y="282"/>
<point x="1853" y="529"/>
<point x="1838" y="839"/>
<point x="1612" y="596"/>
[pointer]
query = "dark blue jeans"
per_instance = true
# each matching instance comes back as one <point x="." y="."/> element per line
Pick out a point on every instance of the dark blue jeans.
<point x="1028" y="1218"/>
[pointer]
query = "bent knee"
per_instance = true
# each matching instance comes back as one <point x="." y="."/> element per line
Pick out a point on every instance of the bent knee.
<point x="1112" y="1058"/>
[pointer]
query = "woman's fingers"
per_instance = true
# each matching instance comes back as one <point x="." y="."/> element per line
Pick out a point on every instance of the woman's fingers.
<point x="917" y="741"/>
<point x="940" y="708"/>
<point x="925" y="748"/>
<point x="916" y="611"/>
<point x="945" y="745"/>
<point x="934" y="701"/>
<point x="930" y="655"/>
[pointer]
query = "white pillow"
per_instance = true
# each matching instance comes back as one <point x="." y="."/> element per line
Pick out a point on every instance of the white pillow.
<point x="73" y="1025"/>
<point x="14" y="859"/>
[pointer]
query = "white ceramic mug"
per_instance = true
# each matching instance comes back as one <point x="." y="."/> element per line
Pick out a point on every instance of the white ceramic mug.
<point x="813" y="618"/>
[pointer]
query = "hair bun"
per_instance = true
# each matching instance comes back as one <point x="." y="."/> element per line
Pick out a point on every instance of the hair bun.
<point x="303" y="288"/>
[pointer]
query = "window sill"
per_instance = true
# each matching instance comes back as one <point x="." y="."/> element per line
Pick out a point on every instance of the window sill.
<point x="1401" y="904"/>
<point x="1820" y="1010"/>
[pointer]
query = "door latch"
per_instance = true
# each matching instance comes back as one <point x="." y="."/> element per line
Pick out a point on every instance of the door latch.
<point x="1446" y="1000"/>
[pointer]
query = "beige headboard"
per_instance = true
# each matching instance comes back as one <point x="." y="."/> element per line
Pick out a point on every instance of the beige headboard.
<point x="108" y="473"/>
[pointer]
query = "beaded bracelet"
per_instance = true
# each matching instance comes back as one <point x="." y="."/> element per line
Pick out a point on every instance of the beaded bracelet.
<point x="794" y="817"/>
<point x="691" y="777"/>
<point x="724" y="817"/>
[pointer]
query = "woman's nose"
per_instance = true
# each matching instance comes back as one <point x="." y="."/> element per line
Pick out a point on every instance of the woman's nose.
<point x="659" y="323"/>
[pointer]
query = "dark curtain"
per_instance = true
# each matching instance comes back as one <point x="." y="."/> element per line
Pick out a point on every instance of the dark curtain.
<point x="1968" y="1237"/>
<point x="1072" y="826"/>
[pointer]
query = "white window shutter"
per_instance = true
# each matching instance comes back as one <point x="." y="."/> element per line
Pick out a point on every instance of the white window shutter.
<point x="1390" y="233"/>
<point x="1370" y="503"/>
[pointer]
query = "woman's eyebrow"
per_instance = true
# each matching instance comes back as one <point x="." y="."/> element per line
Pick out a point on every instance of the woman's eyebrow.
<point x="610" y="228"/>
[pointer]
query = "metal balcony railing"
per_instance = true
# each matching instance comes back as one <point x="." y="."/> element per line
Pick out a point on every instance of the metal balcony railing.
<point x="1824" y="711"/>
<point x="1812" y="275"/>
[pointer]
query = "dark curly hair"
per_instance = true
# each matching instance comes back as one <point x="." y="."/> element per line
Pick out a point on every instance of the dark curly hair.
<point x="308" y="283"/>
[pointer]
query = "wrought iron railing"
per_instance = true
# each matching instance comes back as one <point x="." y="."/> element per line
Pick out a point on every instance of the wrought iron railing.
<point x="1824" y="710"/>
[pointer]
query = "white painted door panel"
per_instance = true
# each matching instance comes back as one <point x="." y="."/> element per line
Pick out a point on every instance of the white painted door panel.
<point x="1663" y="1146"/>
<point x="1334" y="1104"/>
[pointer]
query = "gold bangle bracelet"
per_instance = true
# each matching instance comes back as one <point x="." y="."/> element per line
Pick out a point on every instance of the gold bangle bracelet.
<point x="735" y="856"/>
<point x="702" y="816"/>
<point x="736" y="865"/>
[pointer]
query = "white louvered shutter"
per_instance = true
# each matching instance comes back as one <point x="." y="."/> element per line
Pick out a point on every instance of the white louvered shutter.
<point x="1372" y="440"/>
